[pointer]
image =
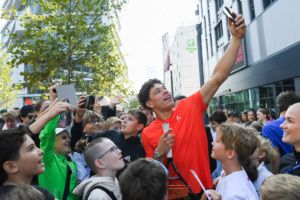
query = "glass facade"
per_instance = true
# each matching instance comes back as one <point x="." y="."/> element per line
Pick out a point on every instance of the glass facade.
<point x="262" y="96"/>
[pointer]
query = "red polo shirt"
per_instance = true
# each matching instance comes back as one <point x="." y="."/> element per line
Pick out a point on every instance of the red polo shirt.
<point x="190" y="150"/>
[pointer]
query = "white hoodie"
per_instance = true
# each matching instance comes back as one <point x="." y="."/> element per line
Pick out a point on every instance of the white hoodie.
<point x="109" y="183"/>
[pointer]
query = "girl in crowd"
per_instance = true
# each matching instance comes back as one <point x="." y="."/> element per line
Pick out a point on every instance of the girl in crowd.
<point x="262" y="115"/>
<point x="233" y="147"/>
<point x="251" y="115"/>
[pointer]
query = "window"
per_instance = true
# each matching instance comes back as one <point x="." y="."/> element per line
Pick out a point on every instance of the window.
<point x="252" y="9"/>
<point x="219" y="4"/>
<point x="240" y="9"/>
<point x="211" y="46"/>
<point x="267" y="3"/>
<point x="219" y="30"/>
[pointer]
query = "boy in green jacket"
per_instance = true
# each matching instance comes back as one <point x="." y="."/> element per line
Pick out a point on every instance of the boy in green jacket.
<point x="60" y="173"/>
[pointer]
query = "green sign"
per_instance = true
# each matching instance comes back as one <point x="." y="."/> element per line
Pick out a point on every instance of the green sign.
<point x="191" y="46"/>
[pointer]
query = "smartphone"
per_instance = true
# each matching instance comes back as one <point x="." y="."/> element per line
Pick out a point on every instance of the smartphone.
<point x="166" y="128"/>
<point x="89" y="102"/>
<point x="228" y="13"/>
<point x="65" y="118"/>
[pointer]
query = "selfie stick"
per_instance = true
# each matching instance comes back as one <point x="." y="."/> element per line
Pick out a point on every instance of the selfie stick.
<point x="166" y="128"/>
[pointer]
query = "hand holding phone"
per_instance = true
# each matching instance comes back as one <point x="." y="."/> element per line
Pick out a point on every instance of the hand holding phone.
<point x="229" y="14"/>
<point x="166" y="128"/>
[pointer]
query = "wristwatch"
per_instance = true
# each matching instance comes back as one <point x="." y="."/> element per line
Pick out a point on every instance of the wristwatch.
<point x="157" y="155"/>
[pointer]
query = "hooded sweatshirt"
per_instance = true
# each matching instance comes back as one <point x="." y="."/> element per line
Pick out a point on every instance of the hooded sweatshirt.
<point x="109" y="183"/>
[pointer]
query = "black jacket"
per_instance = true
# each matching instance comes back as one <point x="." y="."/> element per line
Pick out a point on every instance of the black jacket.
<point x="132" y="148"/>
<point x="289" y="161"/>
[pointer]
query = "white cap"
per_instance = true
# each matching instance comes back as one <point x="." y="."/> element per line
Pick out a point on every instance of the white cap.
<point x="60" y="130"/>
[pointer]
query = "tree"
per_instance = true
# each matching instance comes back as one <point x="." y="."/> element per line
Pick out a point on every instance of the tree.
<point x="63" y="37"/>
<point x="8" y="91"/>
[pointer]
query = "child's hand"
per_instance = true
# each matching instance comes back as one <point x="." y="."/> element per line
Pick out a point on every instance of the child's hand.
<point x="213" y="195"/>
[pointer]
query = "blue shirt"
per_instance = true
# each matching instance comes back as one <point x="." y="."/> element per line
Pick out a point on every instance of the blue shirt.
<point x="274" y="133"/>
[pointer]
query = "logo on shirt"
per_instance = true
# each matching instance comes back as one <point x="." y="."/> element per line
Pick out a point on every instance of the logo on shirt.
<point x="178" y="118"/>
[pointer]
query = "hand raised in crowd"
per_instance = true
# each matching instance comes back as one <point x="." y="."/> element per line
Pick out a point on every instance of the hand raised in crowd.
<point x="55" y="108"/>
<point x="166" y="142"/>
<point x="116" y="100"/>
<point x="237" y="28"/>
<point x="80" y="110"/>
<point x="97" y="105"/>
<point x="53" y="92"/>
<point x="213" y="195"/>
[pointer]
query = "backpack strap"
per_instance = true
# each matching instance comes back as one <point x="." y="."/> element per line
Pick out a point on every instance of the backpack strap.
<point x="67" y="183"/>
<point x="108" y="192"/>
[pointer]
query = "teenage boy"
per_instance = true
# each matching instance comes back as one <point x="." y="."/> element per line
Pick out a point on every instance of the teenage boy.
<point x="131" y="145"/>
<point x="190" y="150"/>
<point x="105" y="159"/>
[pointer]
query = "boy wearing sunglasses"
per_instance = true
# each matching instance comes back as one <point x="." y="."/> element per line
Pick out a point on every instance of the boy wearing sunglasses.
<point x="105" y="159"/>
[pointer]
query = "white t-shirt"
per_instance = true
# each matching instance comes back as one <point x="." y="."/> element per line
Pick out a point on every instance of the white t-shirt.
<point x="263" y="173"/>
<point x="236" y="185"/>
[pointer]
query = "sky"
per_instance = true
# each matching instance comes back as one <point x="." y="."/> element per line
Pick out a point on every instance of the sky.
<point x="143" y="23"/>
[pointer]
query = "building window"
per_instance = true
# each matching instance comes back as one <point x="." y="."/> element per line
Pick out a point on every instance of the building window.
<point x="240" y="9"/>
<point x="219" y="4"/>
<point x="252" y="9"/>
<point x="267" y="3"/>
<point x="211" y="46"/>
<point x="219" y="31"/>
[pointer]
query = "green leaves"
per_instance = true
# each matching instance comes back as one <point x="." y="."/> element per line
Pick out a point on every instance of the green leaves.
<point x="8" y="90"/>
<point x="62" y="36"/>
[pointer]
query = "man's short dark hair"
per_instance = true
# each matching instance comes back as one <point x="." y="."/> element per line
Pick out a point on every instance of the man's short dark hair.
<point x="11" y="141"/>
<point x="218" y="116"/>
<point x="144" y="93"/>
<point x="285" y="99"/>
<point x="143" y="179"/>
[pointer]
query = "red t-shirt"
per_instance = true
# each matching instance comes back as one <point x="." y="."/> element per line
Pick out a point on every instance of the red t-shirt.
<point x="190" y="150"/>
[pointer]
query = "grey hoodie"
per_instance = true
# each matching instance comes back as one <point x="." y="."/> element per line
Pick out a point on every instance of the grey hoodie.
<point x="109" y="183"/>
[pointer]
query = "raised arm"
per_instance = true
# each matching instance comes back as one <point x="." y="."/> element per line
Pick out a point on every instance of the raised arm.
<point x="54" y="109"/>
<point x="224" y="66"/>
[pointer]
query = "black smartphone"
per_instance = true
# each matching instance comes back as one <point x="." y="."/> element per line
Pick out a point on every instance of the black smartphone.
<point x="228" y="13"/>
<point x="89" y="102"/>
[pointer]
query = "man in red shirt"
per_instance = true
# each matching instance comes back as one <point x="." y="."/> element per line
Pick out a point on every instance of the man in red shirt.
<point x="187" y="136"/>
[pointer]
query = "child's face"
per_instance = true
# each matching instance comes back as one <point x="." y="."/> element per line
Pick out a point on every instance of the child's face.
<point x="130" y="126"/>
<point x="30" y="162"/>
<point x="113" y="159"/>
<point x="219" y="150"/>
<point x="62" y="143"/>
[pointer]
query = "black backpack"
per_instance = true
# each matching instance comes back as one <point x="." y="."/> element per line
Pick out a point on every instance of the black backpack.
<point x="108" y="192"/>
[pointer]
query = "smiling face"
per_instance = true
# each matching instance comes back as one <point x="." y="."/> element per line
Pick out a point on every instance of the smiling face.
<point x="261" y="117"/>
<point x="251" y="116"/>
<point x="160" y="98"/>
<point x="131" y="126"/>
<point x="291" y="126"/>
<point x="62" y="143"/>
<point x="30" y="162"/>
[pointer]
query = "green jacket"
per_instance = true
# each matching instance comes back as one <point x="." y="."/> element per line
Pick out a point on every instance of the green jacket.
<point x="54" y="177"/>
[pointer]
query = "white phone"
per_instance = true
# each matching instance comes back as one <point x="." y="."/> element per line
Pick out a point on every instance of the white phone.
<point x="166" y="128"/>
